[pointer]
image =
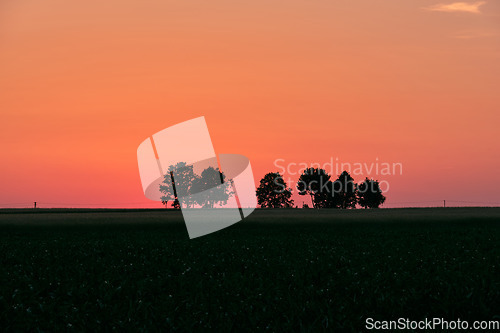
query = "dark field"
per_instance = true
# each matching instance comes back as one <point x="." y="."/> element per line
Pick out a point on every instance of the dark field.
<point x="278" y="270"/>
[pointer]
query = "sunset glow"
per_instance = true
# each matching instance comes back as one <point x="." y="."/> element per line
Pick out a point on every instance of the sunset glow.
<point x="83" y="83"/>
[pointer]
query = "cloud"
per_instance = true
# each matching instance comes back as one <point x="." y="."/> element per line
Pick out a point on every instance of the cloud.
<point x="467" y="7"/>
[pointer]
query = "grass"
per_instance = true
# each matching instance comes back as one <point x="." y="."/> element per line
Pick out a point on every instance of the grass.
<point x="278" y="270"/>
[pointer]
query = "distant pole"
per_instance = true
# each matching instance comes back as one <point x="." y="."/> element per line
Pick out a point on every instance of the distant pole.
<point x="34" y="204"/>
<point x="444" y="203"/>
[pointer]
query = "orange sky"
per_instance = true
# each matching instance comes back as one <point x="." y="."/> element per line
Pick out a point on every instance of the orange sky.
<point x="83" y="83"/>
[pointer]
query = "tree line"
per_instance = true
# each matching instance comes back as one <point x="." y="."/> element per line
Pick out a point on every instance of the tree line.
<point x="210" y="188"/>
<point x="342" y="193"/>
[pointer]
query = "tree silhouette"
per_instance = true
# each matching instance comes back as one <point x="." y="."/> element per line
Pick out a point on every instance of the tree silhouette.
<point x="315" y="182"/>
<point x="175" y="203"/>
<point x="211" y="188"/>
<point x="369" y="194"/>
<point x="344" y="192"/>
<point x="178" y="182"/>
<point x="273" y="192"/>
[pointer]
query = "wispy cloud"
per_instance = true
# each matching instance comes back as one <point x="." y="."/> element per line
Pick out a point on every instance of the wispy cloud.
<point x="467" y="7"/>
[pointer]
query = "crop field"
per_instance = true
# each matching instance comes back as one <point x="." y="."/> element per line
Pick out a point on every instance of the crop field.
<point x="278" y="270"/>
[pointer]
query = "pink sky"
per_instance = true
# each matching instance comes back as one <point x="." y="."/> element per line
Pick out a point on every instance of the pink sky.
<point x="83" y="83"/>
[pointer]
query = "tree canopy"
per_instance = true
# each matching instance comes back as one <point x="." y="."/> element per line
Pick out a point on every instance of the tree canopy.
<point x="344" y="192"/>
<point x="212" y="188"/>
<point x="315" y="183"/>
<point x="177" y="182"/>
<point x="182" y="185"/>
<point x="369" y="194"/>
<point x="273" y="192"/>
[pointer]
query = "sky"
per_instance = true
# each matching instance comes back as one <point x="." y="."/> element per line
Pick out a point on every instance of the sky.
<point x="415" y="82"/>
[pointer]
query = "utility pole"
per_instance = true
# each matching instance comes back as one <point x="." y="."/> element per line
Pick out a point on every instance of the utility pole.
<point x="34" y="204"/>
<point x="173" y="186"/>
